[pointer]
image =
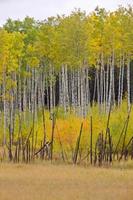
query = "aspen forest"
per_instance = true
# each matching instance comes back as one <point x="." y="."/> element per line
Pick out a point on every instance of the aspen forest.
<point x="61" y="76"/>
<point x="66" y="100"/>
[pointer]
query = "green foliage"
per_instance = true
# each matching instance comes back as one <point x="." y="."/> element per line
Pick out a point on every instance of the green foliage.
<point x="73" y="40"/>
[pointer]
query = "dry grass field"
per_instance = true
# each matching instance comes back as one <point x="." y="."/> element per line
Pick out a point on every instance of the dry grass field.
<point x="50" y="182"/>
<point x="58" y="182"/>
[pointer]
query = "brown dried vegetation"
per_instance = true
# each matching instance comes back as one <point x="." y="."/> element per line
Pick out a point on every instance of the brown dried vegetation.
<point x="52" y="182"/>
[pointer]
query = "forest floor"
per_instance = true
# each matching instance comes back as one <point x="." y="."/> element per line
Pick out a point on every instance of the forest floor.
<point x="64" y="182"/>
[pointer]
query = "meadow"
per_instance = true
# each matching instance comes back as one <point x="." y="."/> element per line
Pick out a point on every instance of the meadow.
<point x="62" y="182"/>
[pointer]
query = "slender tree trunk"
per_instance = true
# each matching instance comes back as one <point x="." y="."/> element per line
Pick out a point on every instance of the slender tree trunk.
<point x="122" y="79"/>
<point x="79" y="93"/>
<point x="119" y="89"/>
<point x="111" y="82"/>
<point x="5" y="107"/>
<point x="98" y="89"/>
<point x="128" y="84"/>
<point x="107" y="84"/>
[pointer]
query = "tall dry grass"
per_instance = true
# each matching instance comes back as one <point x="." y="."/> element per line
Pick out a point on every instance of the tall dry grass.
<point x="50" y="182"/>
